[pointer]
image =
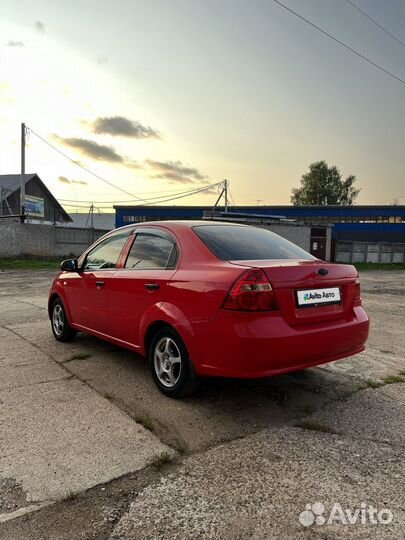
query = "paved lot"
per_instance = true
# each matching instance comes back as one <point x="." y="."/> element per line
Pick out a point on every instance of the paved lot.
<point x="247" y="455"/>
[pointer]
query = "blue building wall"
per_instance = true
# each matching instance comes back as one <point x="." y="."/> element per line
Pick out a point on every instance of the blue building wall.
<point x="370" y="232"/>
<point x="363" y="223"/>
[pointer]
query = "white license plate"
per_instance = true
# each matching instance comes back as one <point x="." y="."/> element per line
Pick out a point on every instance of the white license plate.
<point x="316" y="297"/>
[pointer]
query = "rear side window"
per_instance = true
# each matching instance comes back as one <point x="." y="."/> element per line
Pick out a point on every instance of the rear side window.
<point x="234" y="243"/>
<point x="152" y="251"/>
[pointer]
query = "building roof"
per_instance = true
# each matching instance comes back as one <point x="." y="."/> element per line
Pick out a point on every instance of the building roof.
<point x="263" y="207"/>
<point x="104" y="222"/>
<point x="12" y="183"/>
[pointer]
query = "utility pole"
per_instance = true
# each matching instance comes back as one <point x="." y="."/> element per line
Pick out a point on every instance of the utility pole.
<point x="224" y="186"/>
<point x="22" y="186"/>
<point x="92" y="222"/>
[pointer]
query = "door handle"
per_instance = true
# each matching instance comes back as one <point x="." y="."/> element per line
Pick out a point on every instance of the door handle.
<point x="100" y="284"/>
<point x="152" y="286"/>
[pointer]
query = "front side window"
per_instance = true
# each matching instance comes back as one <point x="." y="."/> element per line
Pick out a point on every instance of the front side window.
<point x="152" y="251"/>
<point x="105" y="255"/>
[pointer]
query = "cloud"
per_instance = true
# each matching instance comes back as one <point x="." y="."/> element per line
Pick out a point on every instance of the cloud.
<point x="65" y="180"/>
<point x="15" y="44"/>
<point x="119" y="125"/>
<point x="39" y="26"/>
<point x="175" y="171"/>
<point x="92" y="149"/>
<point x="96" y="151"/>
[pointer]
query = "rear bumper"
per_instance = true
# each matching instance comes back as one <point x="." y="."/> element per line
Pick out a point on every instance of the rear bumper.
<point x="251" y="346"/>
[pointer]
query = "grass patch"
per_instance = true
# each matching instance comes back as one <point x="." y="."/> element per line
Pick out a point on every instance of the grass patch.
<point x="28" y="263"/>
<point x="70" y="496"/>
<point x="145" y="421"/>
<point x="379" y="266"/>
<point x="392" y="379"/>
<point x="181" y="447"/>
<point x="315" y="426"/>
<point x="369" y="384"/>
<point x="78" y="356"/>
<point x="162" y="459"/>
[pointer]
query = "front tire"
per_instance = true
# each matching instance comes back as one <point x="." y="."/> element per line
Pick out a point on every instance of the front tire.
<point x="61" y="328"/>
<point x="171" y="367"/>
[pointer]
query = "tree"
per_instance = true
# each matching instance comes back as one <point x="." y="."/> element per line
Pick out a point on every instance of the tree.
<point x="324" y="185"/>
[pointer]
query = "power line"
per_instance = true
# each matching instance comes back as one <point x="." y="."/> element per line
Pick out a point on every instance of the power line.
<point x="83" y="167"/>
<point x="231" y="198"/>
<point x="390" y="201"/>
<point x="153" y="192"/>
<point x="81" y="204"/>
<point x="175" y="193"/>
<point x="375" y="22"/>
<point x="152" y="200"/>
<point x="205" y="188"/>
<point x="340" y="42"/>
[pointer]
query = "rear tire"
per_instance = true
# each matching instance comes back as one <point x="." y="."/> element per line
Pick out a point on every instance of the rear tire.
<point x="171" y="367"/>
<point x="61" y="328"/>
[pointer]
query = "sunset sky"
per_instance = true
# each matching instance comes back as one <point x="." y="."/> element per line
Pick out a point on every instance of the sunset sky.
<point x="160" y="96"/>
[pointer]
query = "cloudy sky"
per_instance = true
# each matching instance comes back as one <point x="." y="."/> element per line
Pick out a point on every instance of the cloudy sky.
<point x="161" y="96"/>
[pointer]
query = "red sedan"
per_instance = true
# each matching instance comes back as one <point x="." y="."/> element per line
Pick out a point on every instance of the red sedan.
<point x="210" y="298"/>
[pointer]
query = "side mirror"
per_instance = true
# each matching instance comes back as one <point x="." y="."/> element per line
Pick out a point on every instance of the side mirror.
<point x="69" y="265"/>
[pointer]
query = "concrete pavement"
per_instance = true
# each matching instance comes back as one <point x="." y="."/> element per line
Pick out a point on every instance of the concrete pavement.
<point x="257" y="488"/>
<point x="248" y="455"/>
<point x="58" y="436"/>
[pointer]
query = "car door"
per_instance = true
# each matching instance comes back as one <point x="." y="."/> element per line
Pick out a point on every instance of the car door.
<point x="87" y="291"/>
<point x="142" y="283"/>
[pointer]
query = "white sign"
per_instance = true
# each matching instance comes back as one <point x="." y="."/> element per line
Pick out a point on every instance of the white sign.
<point x="313" y="297"/>
<point x="34" y="206"/>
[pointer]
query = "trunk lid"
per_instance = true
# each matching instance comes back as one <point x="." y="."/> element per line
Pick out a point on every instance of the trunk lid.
<point x="288" y="276"/>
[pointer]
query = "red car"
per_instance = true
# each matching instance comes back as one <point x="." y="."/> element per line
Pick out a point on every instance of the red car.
<point x="210" y="298"/>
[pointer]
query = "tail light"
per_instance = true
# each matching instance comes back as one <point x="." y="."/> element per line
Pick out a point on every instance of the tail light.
<point x="251" y="292"/>
<point x="357" y="293"/>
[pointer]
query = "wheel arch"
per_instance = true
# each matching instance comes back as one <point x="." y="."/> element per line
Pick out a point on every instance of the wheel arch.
<point x="151" y="331"/>
<point x="184" y="331"/>
<point x="51" y="300"/>
<point x="57" y="294"/>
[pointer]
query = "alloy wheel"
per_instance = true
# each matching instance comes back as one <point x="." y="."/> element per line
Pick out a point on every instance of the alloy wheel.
<point x="167" y="362"/>
<point x="58" y="319"/>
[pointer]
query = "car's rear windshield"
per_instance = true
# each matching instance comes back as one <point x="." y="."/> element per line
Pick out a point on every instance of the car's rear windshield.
<point x="237" y="243"/>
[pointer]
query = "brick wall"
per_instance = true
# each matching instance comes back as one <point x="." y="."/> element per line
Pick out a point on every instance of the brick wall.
<point x="44" y="240"/>
<point x="10" y="239"/>
<point x="299" y="235"/>
<point x="49" y="241"/>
